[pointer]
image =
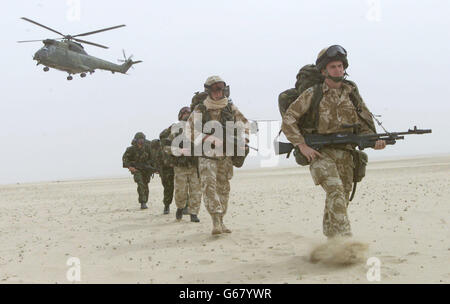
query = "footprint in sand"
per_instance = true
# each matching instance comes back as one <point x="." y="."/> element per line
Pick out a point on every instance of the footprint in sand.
<point x="392" y="259"/>
<point x="388" y="272"/>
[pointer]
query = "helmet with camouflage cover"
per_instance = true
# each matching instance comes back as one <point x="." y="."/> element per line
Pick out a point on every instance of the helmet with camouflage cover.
<point x="211" y="80"/>
<point x="139" y="135"/>
<point x="183" y="110"/>
<point x="329" y="54"/>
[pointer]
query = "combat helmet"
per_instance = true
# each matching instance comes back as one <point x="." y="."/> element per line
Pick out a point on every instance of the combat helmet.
<point x="329" y="54"/>
<point x="183" y="111"/>
<point x="139" y="135"/>
<point x="211" y="80"/>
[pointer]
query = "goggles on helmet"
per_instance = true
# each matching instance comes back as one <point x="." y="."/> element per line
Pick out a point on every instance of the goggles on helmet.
<point x="334" y="50"/>
<point x="219" y="87"/>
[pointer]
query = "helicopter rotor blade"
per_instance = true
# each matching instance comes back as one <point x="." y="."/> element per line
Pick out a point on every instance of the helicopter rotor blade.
<point x="91" y="43"/>
<point x="46" y="27"/>
<point x="98" y="31"/>
<point x="30" y="40"/>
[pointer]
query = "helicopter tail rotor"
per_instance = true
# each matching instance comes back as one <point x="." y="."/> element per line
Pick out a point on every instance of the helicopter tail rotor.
<point x="127" y="62"/>
<point x="125" y="59"/>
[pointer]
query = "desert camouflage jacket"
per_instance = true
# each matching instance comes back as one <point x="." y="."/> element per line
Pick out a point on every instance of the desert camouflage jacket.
<point x="335" y="110"/>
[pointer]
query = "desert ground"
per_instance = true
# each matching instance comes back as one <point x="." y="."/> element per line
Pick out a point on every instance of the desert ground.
<point x="401" y="211"/>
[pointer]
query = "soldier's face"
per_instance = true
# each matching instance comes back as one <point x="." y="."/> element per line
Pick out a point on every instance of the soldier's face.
<point x="335" y="69"/>
<point x="140" y="143"/>
<point x="185" y="116"/>
<point x="217" y="91"/>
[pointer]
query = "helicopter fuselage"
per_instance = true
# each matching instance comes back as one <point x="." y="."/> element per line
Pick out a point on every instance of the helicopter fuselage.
<point x="70" y="57"/>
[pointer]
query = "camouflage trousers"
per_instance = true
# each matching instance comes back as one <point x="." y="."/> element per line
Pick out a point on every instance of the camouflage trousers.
<point x="142" y="181"/>
<point x="188" y="189"/>
<point x="215" y="178"/>
<point x="334" y="172"/>
<point x="167" y="180"/>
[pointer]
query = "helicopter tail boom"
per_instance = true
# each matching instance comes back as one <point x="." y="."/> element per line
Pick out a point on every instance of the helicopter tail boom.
<point x="127" y="65"/>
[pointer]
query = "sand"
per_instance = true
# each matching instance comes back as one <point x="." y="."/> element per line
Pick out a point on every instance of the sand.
<point x="400" y="212"/>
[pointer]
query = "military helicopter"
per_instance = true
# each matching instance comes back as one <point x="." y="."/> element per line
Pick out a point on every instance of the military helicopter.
<point x="70" y="56"/>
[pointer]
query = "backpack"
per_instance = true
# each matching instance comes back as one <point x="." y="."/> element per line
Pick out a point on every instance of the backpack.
<point x="198" y="98"/>
<point x="168" y="159"/>
<point x="307" y="77"/>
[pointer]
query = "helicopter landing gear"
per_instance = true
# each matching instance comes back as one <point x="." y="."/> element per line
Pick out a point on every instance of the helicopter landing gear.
<point x="82" y="75"/>
<point x="69" y="77"/>
<point x="46" y="69"/>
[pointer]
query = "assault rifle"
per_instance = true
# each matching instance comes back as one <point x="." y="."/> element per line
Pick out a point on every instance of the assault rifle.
<point x="145" y="168"/>
<point x="317" y="141"/>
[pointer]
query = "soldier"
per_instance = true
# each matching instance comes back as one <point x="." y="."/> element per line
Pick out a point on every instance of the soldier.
<point x="332" y="166"/>
<point x="166" y="171"/>
<point x="216" y="170"/>
<point x="136" y="158"/>
<point x="188" y="193"/>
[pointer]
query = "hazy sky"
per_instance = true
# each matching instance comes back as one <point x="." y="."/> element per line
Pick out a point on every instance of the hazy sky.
<point x="53" y="129"/>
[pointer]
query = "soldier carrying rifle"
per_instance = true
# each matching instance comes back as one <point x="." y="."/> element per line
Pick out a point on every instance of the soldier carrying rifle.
<point x="329" y="106"/>
<point x="138" y="159"/>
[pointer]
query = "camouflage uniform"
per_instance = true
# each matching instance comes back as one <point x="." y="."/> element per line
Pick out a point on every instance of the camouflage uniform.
<point x="134" y="154"/>
<point x="334" y="170"/>
<point x="167" y="180"/>
<point x="215" y="177"/>
<point x="215" y="171"/>
<point x="187" y="182"/>
<point x="166" y="171"/>
<point x="188" y="190"/>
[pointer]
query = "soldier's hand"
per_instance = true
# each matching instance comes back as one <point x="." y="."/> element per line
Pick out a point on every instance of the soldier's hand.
<point x="380" y="145"/>
<point x="309" y="152"/>
<point x="132" y="169"/>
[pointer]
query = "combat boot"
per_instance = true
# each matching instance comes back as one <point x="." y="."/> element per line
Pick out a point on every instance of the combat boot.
<point x="224" y="228"/>
<point x="166" y="209"/>
<point x="179" y="214"/>
<point x="217" y="227"/>
<point x="144" y="206"/>
<point x="185" y="210"/>
<point x="194" y="218"/>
